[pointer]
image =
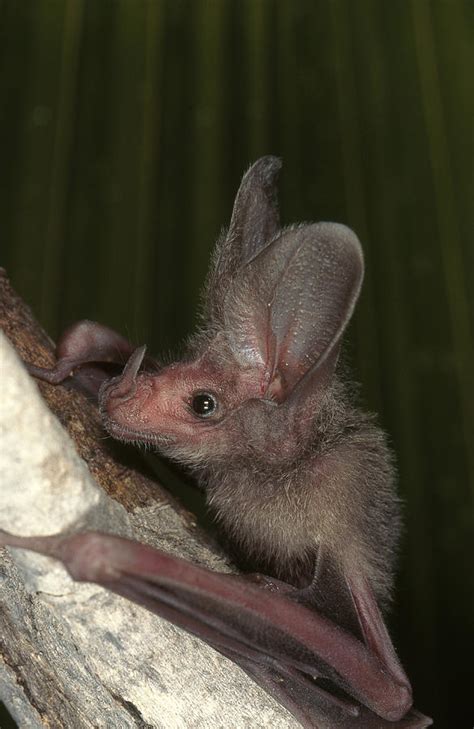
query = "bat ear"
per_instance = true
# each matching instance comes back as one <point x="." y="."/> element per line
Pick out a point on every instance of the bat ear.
<point x="255" y="219"/>
<point x="288" y="307"/>
<point x="254" y="223"/>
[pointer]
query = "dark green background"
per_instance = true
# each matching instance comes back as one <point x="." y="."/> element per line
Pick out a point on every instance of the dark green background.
<point x="125" y="126"/>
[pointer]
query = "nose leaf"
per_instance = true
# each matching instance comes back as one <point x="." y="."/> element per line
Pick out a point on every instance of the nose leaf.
<point x="125" y="387"/>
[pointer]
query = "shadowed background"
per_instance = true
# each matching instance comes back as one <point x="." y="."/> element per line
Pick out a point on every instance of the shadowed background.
<point x="125" y="126"/>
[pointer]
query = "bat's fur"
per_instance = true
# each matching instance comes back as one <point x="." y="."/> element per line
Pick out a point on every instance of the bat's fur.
<point x="287" y="485"/>
<point x="335" y="492"/>
<point x="299" y="478"/>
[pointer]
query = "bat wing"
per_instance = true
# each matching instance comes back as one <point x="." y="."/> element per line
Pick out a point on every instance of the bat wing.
<point x="320" y="672"/>
<point x="91" y="351"/>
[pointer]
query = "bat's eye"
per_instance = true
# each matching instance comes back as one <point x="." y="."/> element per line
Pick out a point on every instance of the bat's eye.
<point x="204" y="404"/>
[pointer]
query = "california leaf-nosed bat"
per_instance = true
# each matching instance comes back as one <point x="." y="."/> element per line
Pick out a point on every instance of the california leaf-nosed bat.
<point x="300" y="481"/>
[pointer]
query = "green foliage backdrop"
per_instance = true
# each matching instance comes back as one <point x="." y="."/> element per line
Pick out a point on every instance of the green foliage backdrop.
<point x="125" y="126"/>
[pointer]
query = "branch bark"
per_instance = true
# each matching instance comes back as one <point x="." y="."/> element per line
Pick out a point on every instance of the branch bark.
<point x="73" y="655"/>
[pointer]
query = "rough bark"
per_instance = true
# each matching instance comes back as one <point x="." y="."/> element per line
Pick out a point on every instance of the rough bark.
<point x="73" y="655"/>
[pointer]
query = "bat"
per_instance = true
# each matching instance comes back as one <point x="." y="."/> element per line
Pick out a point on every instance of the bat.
<point x="299" y="480"/>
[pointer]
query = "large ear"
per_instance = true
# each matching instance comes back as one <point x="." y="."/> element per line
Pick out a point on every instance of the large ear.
<point x="254" y="223"/>
<point x="288" y="307"/>
<point x="255" y="219"/>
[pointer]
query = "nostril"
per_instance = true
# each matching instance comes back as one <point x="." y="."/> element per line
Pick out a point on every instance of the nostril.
<point x="122" y="391"/>
<point x="116" y="389"/>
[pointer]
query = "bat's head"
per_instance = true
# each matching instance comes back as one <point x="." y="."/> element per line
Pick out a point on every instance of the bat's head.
<point x="277" y="304"/>
<point x="188" y="409"/>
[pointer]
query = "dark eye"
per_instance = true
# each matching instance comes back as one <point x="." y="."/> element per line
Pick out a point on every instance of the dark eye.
<point x="204" y="404"/>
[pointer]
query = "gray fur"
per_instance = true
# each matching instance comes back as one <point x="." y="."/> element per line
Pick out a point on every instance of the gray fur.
<point x="296" y="475"/>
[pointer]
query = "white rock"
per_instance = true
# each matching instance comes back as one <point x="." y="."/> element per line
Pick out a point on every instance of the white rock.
<point x="112" y="663"/>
